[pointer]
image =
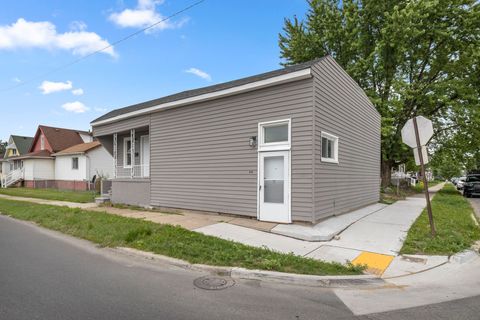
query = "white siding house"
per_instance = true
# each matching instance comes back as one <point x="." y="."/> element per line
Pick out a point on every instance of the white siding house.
<point x="76" y="166"/>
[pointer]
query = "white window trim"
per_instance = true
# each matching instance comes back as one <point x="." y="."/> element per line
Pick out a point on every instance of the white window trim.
<point x="125" y="140"/>
<point x="274" y="146"/>
<point x="42" y="142"/>
<point x="335" y="147"/>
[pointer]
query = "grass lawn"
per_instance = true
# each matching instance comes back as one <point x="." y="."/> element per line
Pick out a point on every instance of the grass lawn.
<point x="116" y="231"/>
<point x="419" y="186"/>
<point x="389" y="195"/>
<point x="456" y="231"/>
<point x="51" y="194"/>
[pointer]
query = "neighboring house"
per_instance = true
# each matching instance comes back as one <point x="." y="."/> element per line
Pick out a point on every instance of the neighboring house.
<point x="75" y="167"/>
<point x="39" y="162"/>
<point x="296" y="144"/>
<point x="16" y="147"/>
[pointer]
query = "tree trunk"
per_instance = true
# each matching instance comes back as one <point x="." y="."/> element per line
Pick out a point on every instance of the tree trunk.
<point x="386" y="171"/>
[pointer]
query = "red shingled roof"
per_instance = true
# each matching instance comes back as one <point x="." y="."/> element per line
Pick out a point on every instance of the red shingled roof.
<point x="60" y="139"/>
<point x="36" y="154"/>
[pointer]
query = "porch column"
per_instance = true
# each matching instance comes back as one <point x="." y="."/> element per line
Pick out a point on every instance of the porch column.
<point x="115" y="155"/>
<point x="132" y="152"/>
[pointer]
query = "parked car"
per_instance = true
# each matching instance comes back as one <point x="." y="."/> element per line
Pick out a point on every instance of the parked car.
<point x="471" y="187"/>
<point x="461" y="182"/>
<point x="454" y="180"/>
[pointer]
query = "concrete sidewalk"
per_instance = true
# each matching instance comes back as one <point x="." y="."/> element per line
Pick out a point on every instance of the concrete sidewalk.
<point x="187" y="219"/>
<point x="372" y="235"/>
<point x="374" y="239"/>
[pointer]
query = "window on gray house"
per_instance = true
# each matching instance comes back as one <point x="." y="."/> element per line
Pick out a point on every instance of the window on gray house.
<point x="276" y="133"/>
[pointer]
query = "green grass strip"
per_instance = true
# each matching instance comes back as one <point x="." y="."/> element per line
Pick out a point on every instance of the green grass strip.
<point x="115" y="231"/>
<point x="456" y="230"/>
<point x="51" y="194"/>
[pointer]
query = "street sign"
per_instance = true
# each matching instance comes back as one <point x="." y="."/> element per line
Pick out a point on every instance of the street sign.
<point x="416" y="133"/>
<point x="425" y="132"/>
<point x="417" y="157"/>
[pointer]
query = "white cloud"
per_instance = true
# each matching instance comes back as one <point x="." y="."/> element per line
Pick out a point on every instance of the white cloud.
<point x="77" y="92"/>
<point x="199" y="73"/>
<point x="48" y="87"/>
<point x="75" y="107"/>
<point x="143" y="15"/>
<point x="78" y="26"/>
<point x="27" y="34"/>
<point x="100" y="109"/>
<point x="16" y="80"/>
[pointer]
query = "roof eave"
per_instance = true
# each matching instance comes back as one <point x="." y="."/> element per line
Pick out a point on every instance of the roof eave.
<point x="68" y="153"/>
<point x="285" y="78"/>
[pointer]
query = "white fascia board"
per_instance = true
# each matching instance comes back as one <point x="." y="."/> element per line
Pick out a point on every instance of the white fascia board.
<point x="68" y="154"/>
<point x="289" y="77"/>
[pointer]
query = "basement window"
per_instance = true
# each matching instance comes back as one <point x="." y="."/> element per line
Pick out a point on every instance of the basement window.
<point x="329" y="148"/>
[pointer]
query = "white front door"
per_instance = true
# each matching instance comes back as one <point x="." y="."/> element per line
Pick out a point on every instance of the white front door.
<point x="274" y="186"/>
<point x="145" y="155"/>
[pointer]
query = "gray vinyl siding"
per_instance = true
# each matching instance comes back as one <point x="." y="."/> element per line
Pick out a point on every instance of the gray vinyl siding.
<point x="122" y="125"/>
<point x="131" y="191"/>
<point x="342" y="109"/>
<point x="201" y="160"/>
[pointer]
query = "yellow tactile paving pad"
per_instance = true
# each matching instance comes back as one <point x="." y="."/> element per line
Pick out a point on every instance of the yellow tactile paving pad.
<point x="376" y="263"/>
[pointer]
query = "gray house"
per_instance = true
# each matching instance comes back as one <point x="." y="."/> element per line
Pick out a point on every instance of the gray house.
<point x="296" y="144"/>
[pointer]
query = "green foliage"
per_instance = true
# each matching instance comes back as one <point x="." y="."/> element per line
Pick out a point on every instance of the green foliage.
<point x="456" y="230"/>
<point x="116" y="231"/>
<point x="51" y="194"/>
<point x="3" y="146"/>
<point x="410" y="57"/>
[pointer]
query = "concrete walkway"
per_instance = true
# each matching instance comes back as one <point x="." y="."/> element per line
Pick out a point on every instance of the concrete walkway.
<point x="187" y="219"/>
<point x="381" y="232"/>
<point x="51" y="202"/>
<point x="372" y="235"/>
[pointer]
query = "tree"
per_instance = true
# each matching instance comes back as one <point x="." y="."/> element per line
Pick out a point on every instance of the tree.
<point x="411" y="58"/>
<point x="3" y="146"/>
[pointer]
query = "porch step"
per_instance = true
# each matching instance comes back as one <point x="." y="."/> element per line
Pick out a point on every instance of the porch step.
<point x="102" y="199"/>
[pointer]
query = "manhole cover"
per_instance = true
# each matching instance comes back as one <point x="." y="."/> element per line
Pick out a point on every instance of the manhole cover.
<point x="213" y="283"/>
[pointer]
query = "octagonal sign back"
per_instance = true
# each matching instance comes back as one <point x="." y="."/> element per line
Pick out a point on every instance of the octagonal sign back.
<point x="425" y="132"/>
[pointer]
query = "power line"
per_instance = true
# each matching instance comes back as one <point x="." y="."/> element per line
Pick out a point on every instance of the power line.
<point x="55" y="70"/>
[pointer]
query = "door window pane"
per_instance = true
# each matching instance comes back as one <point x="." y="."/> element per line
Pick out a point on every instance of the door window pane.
<point x="276" y="133"/>
<point x="273" y="179"/>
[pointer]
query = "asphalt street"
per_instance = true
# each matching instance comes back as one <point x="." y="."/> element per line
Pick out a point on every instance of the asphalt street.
<point x="44" y="275"/>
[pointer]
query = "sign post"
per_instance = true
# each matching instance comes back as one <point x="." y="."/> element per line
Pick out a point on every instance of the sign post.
<point x="416" y="138"/>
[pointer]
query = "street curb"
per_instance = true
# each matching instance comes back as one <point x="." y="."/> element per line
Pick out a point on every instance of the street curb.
<point x="261" y="275"/>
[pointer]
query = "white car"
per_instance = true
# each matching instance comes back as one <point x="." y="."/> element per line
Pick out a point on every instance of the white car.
<point x="461" y="182"/>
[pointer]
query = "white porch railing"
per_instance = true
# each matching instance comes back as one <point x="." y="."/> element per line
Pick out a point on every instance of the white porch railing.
<point x="12" y="177"/>
<point x="139" y="171"/>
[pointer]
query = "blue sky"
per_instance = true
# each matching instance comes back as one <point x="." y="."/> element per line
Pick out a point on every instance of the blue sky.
<point x="214" y="42"/>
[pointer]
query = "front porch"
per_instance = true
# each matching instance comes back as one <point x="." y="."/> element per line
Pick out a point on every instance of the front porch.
<point x="130" y="149"/>
<point x="131" y="154"/>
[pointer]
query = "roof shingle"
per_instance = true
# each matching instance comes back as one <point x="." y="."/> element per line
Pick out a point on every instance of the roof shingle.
<point x="80" y="148"/>
<point x="205" y="90"/>
<point x="60" y="139"/>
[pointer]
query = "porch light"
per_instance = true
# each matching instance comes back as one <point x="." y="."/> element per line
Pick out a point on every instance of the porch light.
<point x="252" y="142"/>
